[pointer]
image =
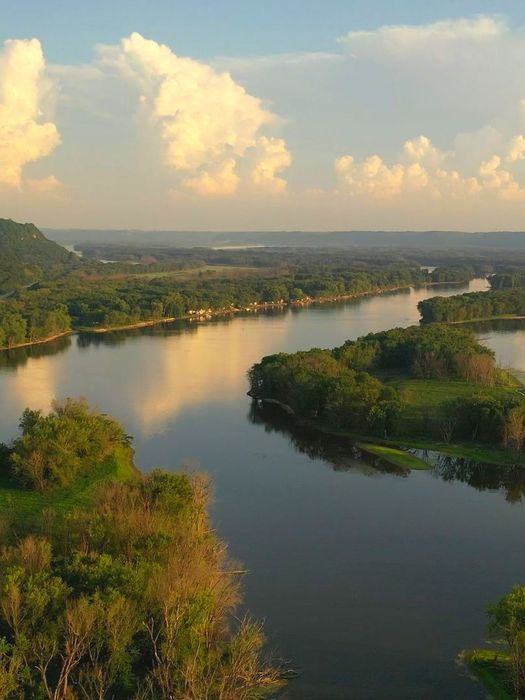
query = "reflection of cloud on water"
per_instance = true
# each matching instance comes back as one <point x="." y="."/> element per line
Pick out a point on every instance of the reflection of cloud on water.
<point x="194" y="368"/>
<point x="33" y="385"/>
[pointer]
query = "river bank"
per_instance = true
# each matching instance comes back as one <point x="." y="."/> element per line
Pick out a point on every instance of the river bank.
<point x="397" y="451"/>
<point x="206" y="314"/>
<point x="502" y="317"/>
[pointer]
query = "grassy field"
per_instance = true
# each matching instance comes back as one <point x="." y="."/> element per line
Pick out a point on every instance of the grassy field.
<point x="22" y="505"/>
<point x="426" y="400"/>
<point x="491" y="669"/>
<point x="394" y="455"/>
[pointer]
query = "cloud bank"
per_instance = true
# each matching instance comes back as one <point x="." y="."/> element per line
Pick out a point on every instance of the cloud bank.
<point x="438" y="41"/>
<point x="24" y="137"/>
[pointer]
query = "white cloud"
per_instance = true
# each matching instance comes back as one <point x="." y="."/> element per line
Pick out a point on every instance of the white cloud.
<point x="208" y="122"/>
<point x="24" y="136"/>
<point x="219" y="181"/>
<point x="435" y="41"/>
<point x="516" y="149"/>
<point x="427" y="172"/>
<point x="270" y="157"/>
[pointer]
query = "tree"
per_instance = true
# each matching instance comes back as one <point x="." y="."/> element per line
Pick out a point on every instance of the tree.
<point x="507" y="625"/>
<point x="514" y="430"/>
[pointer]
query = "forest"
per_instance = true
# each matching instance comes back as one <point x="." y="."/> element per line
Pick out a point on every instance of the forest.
<point x="113" y="584"/>
<point x="474" y="305"/>
<point x="83" y="301"/>
<point x="435" y="382"/>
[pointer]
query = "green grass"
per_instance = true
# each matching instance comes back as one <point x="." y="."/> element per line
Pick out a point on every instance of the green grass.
<point x="471" y="450"/>
<point x="425" y="400"/>
<point x="23" y="504"/>
<point x="491" y="669"/>
<point x="394" y="455"/>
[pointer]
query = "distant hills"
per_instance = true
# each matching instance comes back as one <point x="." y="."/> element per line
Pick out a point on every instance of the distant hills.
<point x="26" y="256"/>
<point x="427" y="240"/>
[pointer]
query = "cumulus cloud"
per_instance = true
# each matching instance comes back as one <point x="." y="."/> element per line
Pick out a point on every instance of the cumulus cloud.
<point x="435" y="41"/>
<point x="516" y="149"/>
<point x="424" y="171"/>
<point x="24" y="136"/>
<point x="208" y="122"/>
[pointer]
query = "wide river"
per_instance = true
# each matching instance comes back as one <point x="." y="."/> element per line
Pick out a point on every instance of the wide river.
<point x="369" y="583"/>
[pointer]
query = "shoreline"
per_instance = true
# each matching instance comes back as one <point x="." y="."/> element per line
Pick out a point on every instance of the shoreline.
<point x="502" y="317"/>
<point x="210" y="313"/>
<point x="493" y="455"/>
<point x="30" y="343"/>
<point x="229" y="311"/>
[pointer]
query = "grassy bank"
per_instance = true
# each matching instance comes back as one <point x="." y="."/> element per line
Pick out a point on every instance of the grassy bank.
<point x="501" y="317"/>
<point x="491" y="668"/>
<point x="394" y="455"/>
<point x="22" y="505"/>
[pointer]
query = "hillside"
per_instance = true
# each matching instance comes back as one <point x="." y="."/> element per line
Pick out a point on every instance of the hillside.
<point x="27" y="256"/>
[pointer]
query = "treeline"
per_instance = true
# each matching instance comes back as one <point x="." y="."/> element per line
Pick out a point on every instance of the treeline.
<point x="473" y="305"/>
<point x="360" y="386"/>
<point x="74" y="302"/>
<point x="507" y="280"/>
<point x="453" y="273"/>
<point x="121" y="589"/>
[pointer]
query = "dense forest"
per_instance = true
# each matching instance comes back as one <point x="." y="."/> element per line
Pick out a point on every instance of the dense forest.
<point x="474" y="305"/>
<point x="97" y="296"/>
<point x="431" y="381"/>
<point x="506" y="280"/>
<point x="113" y="584"/>
<point x="49" y="292"/>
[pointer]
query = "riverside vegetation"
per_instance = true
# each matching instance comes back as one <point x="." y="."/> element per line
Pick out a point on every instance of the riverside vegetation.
<point x="47" y="292"/>
<point x="112" y="583"/>
<point x="505" y="299"/>
<point x="418" y="385"/>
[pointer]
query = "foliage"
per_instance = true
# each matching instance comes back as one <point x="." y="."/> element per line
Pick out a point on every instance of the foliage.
<point x="129" y="596"/>
<point x="474" y="305"/>
<point x="507" y="626"/>
<point x="58" y="291"/>
<point x="55" y="449"/>
<point x="434" y="381"/>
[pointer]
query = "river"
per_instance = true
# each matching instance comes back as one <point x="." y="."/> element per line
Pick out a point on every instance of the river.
<point x="369" y="583"/>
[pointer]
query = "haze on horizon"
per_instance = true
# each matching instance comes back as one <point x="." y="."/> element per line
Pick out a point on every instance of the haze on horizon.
<point x="302" y="118"/>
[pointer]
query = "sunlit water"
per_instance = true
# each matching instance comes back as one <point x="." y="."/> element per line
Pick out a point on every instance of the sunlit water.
<point x="369" y="583"/>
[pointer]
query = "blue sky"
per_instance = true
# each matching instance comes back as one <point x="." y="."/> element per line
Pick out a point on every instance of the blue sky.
<point x="70" y="28"/>
<point x="276" y="115"/>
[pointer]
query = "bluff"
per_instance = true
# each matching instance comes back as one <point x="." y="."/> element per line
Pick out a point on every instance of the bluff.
<point x="26" y="256"/>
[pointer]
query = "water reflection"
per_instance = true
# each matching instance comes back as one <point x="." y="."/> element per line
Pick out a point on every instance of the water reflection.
<point x="342" y="455"/>
<point x="509" y="479"/>
<point x="10" y="360"/>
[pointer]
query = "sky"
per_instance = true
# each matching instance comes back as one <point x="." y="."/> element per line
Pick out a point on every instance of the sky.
<point x="263" y="116"/>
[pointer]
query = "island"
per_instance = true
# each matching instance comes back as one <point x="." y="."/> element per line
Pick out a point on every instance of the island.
<point x="427" y="387"/>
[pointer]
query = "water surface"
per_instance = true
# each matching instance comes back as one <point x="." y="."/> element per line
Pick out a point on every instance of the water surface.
<point x="369" y="582"/>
